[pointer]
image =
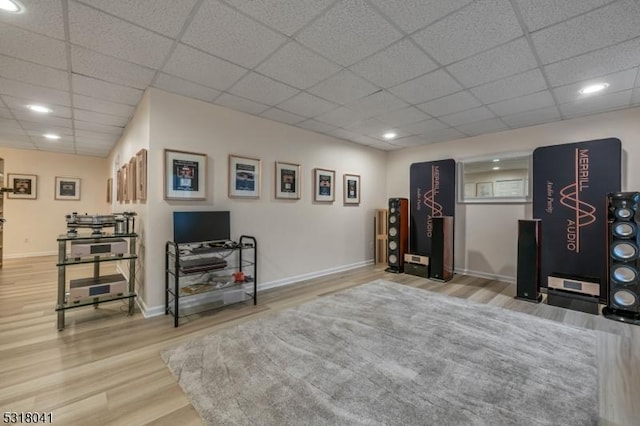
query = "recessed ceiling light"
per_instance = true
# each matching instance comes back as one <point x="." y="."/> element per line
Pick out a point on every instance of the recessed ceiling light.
<point x="389" y="135"/>
<point x="39" y="108"/>
<point x="12" y="6"/>
<point x="593" y="88"/>
<point x="496" y="168"/>
<point x="51" y="136"/>
<point x="495" y="160"/>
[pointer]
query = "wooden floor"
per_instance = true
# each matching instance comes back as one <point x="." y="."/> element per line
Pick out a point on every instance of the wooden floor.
<point x="105" y="367"/>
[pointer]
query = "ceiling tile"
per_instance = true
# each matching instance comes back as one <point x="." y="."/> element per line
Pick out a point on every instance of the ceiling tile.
<point x="603" y="27"/>
<point x="10" y="124"/>
<point x="20" y="105"/>
<point x="339" y="117"/>
<point x="34" y="93"/>
<point x="403" y="116"/>
<point x="297" y="66"/>
<point x="94" y="143"/>
<point x="105" y="90"/>
<point x="37" y="128"/>
<point x="343" y="87"/>
<point x="96" y="127"/>
<point x="228" y="34"/>
<point x="376" y="103"/>
<point x="240" y="104"/>
<point x="594" y="64"/>
<point x="201" y="68"/>
<point x="96" y="65"/>
<point x="409" y="141"/>
<point x="367" y="140"/>
<point x="96" y="117"/>
<point x="32" y="47"/>
<point x="509" y="59"/>
<point x="287" y="16"/>
<point x="282" y="116"/>
<point x="510" y="87"/>
<point x="482" y="127"/>
<point x="449" y="104"/>
<point x="397" y="63"/>
<point x="411" y="15"/>
<point x="480" y="26"/>
<point x="541" y="13"/>
<point x="112" y="36"/>
<point x="597" y="104"/>
<point x="444" y="135"/>
<point x="185" y="88"/>
<point x="61" y="147"/>
<point x="316" y="126"/>
<point x="383" y="146"/>
<point x="28" y="72"/>
<point x="307" y="105"/>
<point x="469" y="116"/>
<point x="164" y="16"/>
<point x="524" y="103"/>
<point x="10" y="140"/>
<point x="423" y="127"/>
<point x="5" y="113"/>
<point x="262" y="89"/>
<point x="351" y="30"/>
<point x="374" y="128"/>
<point x="531" y="118"/>
<point x="95" y="136"/>
<point x="99" y="105"/>
<point x="426" y="88"/>
<point x="617" y="82"/>
<point x="343" y="134"/>
<point x="635" y="99"/>
<point x="91" y="152"/>
<point x="43" y="16"/>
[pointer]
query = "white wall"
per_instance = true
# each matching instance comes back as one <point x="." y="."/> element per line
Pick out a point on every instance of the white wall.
<point x="486" y="234"/>
<point x="33" y="226"/>
<point x="296" y="239"/>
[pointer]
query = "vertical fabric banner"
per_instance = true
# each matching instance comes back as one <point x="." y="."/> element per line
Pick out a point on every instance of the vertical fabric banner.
<point x="433" y="194"/>
<point x="570" y="187"/>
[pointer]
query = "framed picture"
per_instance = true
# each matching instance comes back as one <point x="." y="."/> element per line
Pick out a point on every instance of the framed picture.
<point x="351" y="187"/>
<point x="141" y="175"/>
<point x="324" y="185"/>
<point x="185" y="175"/>
<point x="484" y="189"/>
<point x="24" y="186"/>
<point x="119" y="192"/>
<point x="67" y="188"/>
<point x="131" y="179"/>
<point x="244" y="177"/>
<point x="125" y="182"/>
<point x="287" y="183"/>
<point x="109" y="189"/>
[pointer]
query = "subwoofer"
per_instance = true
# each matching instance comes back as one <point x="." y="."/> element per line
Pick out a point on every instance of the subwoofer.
<point x="397" y="234"/>
<point x="441" y="261"/>
<point x="528" y="272"/>
<point x="623" y="289"/>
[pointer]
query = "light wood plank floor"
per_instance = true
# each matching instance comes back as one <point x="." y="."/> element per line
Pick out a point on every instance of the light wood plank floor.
<point x="105" y="367"/>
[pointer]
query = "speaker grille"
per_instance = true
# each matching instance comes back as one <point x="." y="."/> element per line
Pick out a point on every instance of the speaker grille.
<point x="393" y="231"/>
<point x="393" y="259"/>
<point x="392" y="219"/>
<point x="393" y="245"/>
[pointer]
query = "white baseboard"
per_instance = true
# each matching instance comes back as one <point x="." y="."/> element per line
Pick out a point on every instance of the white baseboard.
<point x="503" y="278"/>
<point x="38" y="254"/>
<point x="148" y="312"/>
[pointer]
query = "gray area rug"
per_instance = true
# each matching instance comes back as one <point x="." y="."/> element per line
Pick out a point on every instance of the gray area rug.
<point x="388" y="354"/>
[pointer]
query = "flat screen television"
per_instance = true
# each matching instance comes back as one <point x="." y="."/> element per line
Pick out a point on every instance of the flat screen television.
<point x="192" y="227"/>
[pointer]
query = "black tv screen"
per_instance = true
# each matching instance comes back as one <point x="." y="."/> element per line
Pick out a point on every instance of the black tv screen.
<point x="192" y="227"/>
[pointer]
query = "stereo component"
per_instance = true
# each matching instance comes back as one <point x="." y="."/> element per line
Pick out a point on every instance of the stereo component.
<point x="397" y="234"/>
<point x="106" y="285"/>
<point x="416" y="258"/>
<point x="572" y="300"/>
<point x="416" y="269"/>
<point x="80" y="248"/>
<point x="441" y="261"/>
<point x="590" y="286"/>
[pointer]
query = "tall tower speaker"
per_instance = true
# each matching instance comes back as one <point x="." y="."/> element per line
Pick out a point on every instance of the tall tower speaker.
<point x="397" y="234"/>
<point x="528" y="273"/>
<point x="623" y="219"/>
<point x="441" y="262"/>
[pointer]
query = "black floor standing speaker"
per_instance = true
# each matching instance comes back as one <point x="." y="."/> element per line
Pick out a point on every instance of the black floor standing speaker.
<point x="623" y="220"/>
<point x="528" y="273"/>
<point x="397" y="234"/>
<point x="441" y="261"/>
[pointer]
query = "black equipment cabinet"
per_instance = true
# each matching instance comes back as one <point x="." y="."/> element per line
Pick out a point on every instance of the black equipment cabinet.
<point x="205" y="277"/>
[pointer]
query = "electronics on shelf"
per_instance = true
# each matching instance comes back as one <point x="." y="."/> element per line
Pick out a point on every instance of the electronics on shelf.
<point x="81" y="249"/>
<point x="197" y="226"/>
<point x="575" y="284"/>
<point x="122" y="222"/>
<point x="106" y="285"/>
<point x="416" y="258"/>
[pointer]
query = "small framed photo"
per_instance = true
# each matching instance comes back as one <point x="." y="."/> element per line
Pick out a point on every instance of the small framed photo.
<point x="244" y="177"/>
<point x="109" y="189"/>
<point x="185" y="175"/>
<point x="125" y="182"/>
<point x="141" y="175"/>
<point x="324" y="185"/>
<point x="351" y="187"/>
<point x="131" y="179"/>
<point x="119" y="186"/>
<point x="67" y="188"/>
<point x="287" y="181"/>
<point x="24" y="186"/>
<point x="484" y="189"/>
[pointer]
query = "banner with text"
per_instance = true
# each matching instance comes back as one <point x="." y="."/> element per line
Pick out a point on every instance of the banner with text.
<point x="570" y="187"/>
<point x="433" y="194"/>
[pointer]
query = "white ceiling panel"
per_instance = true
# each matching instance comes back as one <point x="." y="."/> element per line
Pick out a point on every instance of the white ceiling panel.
<point x="286" y="16"/>
<point x="91" y="152"/>
<point x="376" y="104"/>
<point x="482" y="25"/>
<point x="43" y="16"/>
<point x="403" y="116"/>
<point x="367" y="140"/>
<point x="297" y="66"/>
<point x="97" y="127"/>
<point x="25" y="117"/>
<point x="164" y="16"/>
<point x="343" y="87"/>
<point x="411" y="15"/>
<point x="409" y="141"/>
<point x="542" y="13"/>
<point x="38" y="128"/>
<point x="422" y="89"/>
<point x="509" y="59"/>
<point x="443" y="135"/>
<point x="94" y="136"/>
<point x="29" y="72"/>
<point x="230" y="35"/>
<point x="481" y="127"/>
<point x="9" y="140"/>
<point x="102" y="67"/>
<point x="240" y="104"/>
<point x="34" y="93"/>
<point x="517" y="85"/>
<point x="373" y="128"/>
<point x="617" y="82"/>
<point x="10" y="124"/>
<point x="185" y="88"/>
<point x="424" y="127"/>
<point x="524" y="103"/>
<point x="399" y="62"/>
<point x="104" y="90"/>
<point x="603" y="27"/>
<point x="316" y="126"/>
<point x="5" y="113"/>
<point x="597" y="104"/>
<point x="351" y="30"/>
<point x="343" y="134"/>
<point x="635" y="99"/>
<point x="102" y="106"/>
<point x="276" y="114"/>
<point x="93" y="143"/>
<point x="262" y="89"/>
<point x="339" y="117"/>
<point x="307" y="105"/>
<point x="32" y="47"/>
<point x="96" y="117"/>
<point x="531" y="118"/>
<point x="449" y="104"/>
<point x="20" y="105"/>
<point x="469" y="116"/>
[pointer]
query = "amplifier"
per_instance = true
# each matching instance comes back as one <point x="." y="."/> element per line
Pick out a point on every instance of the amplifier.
<point x="416" y="269"/>
<point x="106" y="285"/>
<point x="416" y="258"/>
<point x="79" y="248"/>
<point x="583" y="285"/>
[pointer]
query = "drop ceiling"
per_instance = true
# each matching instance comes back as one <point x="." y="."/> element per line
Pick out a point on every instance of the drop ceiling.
<point x="429" y="70"/>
